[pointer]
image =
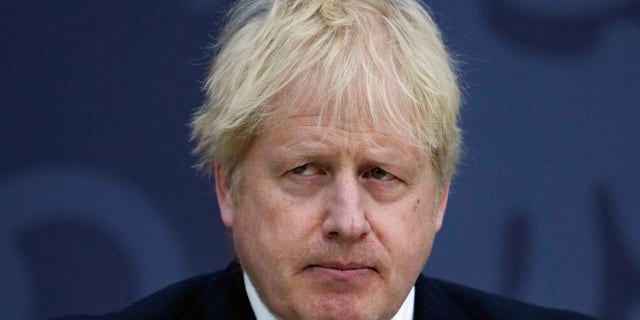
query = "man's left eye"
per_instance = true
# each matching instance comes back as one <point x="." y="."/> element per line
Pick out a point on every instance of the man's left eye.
<point x="305" y="170"/>
<point x="378" y="174"/>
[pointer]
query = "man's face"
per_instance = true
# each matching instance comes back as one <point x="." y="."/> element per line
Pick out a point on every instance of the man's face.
<point x="332" y="222"/>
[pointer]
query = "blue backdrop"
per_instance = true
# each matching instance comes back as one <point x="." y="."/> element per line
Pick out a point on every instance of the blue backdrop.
<point x="99" y="204"/>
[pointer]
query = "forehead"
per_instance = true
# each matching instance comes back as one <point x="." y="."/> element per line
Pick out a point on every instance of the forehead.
<point x="327" y="125"/>
<point x="330" y="128"/>
<point x="307" y="132"/>
<point x="357" y="107"/>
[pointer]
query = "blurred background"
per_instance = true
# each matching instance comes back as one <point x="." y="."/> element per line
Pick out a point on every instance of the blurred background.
<point x="99" y="204"/>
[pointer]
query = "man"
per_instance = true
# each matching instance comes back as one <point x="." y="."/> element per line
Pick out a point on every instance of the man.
<point x="331" y="130"/>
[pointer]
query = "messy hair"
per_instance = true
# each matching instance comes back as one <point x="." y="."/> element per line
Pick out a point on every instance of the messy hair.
<point x="364" y="61"/>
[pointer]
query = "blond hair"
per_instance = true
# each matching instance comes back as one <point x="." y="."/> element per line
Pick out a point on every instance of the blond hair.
<point x="364" y="61"/>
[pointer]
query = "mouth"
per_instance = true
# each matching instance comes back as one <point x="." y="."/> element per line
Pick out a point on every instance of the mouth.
<point x="342" y="272"/>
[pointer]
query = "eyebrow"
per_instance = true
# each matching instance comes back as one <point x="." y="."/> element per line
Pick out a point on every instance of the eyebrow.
<point x="313" y="149"/>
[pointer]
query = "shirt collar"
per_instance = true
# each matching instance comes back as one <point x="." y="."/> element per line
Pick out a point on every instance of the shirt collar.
<point x="262" y="313"/>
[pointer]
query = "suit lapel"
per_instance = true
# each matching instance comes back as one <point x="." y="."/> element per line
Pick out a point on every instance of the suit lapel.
<point x="433" y="303"/>
<point x="224" y="298"/>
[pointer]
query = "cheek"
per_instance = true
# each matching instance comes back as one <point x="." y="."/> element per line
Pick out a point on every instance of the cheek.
<point x="415" y="213"/>
<point x="420" y="234"/>
<point x="411" y="230"/>
<point x="257" y="245"/>
<point x="273" y="224"/>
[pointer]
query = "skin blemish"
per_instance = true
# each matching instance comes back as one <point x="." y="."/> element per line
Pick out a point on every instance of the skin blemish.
<point x="415" y="207"/>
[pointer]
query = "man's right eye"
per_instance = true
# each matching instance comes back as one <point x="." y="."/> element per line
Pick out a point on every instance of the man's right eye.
<point x="306" y="170"/>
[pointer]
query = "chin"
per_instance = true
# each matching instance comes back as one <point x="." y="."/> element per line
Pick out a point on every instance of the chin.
<point x="322" y="294"/>
<point x="341" y="309"/>
<point x="334" y="305"/>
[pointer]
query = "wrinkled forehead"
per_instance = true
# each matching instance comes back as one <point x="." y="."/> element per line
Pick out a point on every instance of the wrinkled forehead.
<point x="311" y="118"/>
<point x="307" y="132"/>
<point x="382" y="108"/>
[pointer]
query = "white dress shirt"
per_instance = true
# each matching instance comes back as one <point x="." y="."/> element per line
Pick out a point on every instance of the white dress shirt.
<point x="262" y="313"/>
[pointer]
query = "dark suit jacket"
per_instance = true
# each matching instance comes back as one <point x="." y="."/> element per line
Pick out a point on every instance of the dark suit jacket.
<point x="221" y="295"/>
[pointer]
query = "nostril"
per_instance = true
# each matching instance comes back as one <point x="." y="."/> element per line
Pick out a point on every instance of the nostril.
<point x="333" y="234"/>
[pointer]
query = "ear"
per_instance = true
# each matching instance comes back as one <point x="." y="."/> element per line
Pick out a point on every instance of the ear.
<point x="442" y="206"/>
<point x="223" y="192"/>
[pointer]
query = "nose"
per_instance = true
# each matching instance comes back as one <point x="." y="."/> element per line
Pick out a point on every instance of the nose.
<point x="345" y="219"/>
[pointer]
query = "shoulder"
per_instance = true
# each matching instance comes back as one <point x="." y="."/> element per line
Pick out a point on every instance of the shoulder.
<point x="477" y="304"/>
<point x="188" y="299"/>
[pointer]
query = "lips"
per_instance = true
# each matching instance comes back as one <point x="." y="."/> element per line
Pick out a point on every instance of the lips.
<point x="340" y="266"/>
<point x="342" y="272"/>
